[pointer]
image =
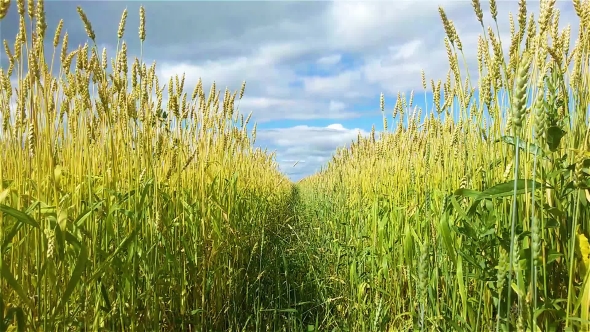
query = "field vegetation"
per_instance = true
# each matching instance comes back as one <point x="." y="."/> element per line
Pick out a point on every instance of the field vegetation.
<point x="127" y="204"/>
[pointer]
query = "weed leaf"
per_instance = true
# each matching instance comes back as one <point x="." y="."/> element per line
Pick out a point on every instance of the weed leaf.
<point x="75" y="278"/>
<point x="523" y="145"/>
<point x="554" y="136"/>
<point x="19" y="215"/>
<point x="507" y="188"/>
<point x="7" y="275"/>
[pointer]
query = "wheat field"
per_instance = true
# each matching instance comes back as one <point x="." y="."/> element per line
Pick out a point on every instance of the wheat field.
<point x="129" y="204"/>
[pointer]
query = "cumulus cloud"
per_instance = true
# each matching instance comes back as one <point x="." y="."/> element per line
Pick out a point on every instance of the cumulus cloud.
<point x="309" y="146"/>
<point x="329" y="60"/>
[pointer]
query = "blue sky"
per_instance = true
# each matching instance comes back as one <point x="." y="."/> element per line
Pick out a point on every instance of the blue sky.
<point x="314" y="69"/>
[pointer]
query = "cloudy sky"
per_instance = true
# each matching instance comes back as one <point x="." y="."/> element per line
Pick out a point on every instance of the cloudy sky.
<point x="314" y="69"/>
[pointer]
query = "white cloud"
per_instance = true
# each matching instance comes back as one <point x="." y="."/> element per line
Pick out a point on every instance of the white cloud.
<point x="310" y="146"/>
<point x="329" y="60"/>
<point x="335" y="85"/>
<point x="336" y="105"/>
<point x="273" y="109"/>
